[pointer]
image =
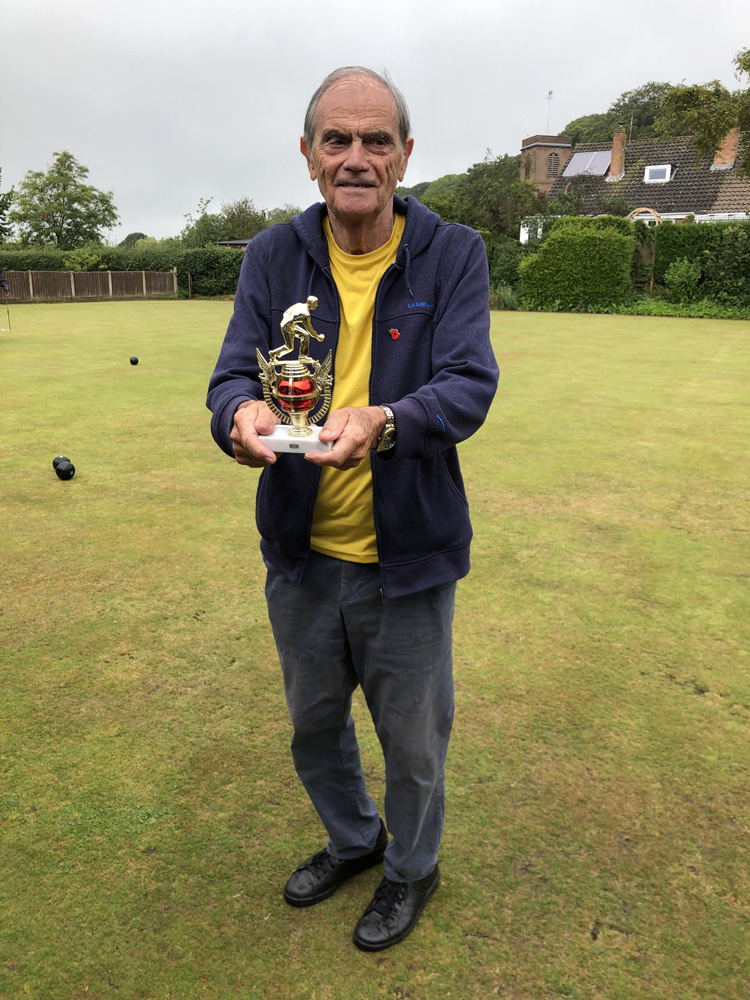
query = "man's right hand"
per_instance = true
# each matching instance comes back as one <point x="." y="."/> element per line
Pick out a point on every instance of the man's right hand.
<point x="252" y="418"/>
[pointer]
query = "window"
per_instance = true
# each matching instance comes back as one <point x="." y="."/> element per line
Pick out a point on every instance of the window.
<point x="658" y="174"/>
<point x="553" y="164"/>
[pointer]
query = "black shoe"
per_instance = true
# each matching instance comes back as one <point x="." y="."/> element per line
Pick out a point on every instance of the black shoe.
<point x="321" y="875"/>
<point x="394" y="911"/>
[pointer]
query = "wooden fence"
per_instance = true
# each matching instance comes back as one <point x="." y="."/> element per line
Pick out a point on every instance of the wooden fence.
<point x="26" y="286"/>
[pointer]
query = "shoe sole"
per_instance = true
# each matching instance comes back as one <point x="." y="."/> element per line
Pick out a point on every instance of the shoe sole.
<point x="301" y="901"/>
<point x="366" y="946"/>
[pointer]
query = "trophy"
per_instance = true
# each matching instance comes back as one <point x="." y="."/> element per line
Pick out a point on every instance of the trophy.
<point x="293" y="389"/>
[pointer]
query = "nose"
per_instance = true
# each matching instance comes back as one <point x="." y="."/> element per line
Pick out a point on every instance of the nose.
<point x="355" y="156"/>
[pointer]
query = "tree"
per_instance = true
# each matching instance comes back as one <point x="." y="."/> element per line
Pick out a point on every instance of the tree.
<point x="203" y="229"/>
<point x="58" y="208"/>
<point x="283" y="214"/>
<point x="637" y="110"/>
<point x="238" y="220"/>
<point x="589" y="128"/>
<point x="708" y="112"/>
<point x="241" y="220"/>
<point x="492" y="196"/>
<point x="130" y="240"/>
<point x="416" y="190"/>
<point x="6" y="200"/>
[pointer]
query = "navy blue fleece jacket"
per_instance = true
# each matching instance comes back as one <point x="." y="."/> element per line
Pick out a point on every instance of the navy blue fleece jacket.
<point x="432" y="363"/>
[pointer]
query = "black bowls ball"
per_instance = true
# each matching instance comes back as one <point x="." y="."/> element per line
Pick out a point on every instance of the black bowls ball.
<point x="134" y="360"/>
<point x="60" y="458"/>
<point x="65" y="470"/>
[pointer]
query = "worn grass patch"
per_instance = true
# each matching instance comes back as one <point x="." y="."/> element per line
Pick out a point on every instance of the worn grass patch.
<point x="599" y="800"/>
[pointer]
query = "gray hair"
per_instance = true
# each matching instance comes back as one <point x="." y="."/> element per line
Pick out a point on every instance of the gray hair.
<point x="404" y="125"/>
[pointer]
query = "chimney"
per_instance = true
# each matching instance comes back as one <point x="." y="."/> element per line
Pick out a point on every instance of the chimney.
<point x="617" y="166"/>
<point x="726" y="154"/>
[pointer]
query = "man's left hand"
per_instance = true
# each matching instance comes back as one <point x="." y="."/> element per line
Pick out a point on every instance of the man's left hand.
<point x="354" y="431"/>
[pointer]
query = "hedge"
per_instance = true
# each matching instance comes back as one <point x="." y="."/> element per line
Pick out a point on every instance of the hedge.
<point x="726" y="270"/>
<point x="692" y="241"/>
<point x="578" y="268"/>
<point x="214" y="270"/>
<point x="504" y="257"/>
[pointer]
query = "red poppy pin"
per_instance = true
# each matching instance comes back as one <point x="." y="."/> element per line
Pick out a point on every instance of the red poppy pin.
<point x="394" y="333"/>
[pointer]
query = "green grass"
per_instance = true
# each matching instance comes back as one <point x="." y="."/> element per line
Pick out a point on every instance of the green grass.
<point x="596" y="840"/>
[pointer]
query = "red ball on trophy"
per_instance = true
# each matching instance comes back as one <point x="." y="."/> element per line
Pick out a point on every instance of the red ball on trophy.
<point x="296" y="394"/>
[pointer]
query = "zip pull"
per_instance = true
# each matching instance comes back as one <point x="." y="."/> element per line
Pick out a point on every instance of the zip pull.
<point x="382" y="596"/>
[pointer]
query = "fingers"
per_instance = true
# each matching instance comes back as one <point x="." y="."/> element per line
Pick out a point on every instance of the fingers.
<point x="354" y="432"/>
<point x="252" y="419"/>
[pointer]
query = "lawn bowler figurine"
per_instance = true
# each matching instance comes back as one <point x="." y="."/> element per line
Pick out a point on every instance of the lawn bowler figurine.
<point x="296" y="322"/>
<point x="296" y="386"/>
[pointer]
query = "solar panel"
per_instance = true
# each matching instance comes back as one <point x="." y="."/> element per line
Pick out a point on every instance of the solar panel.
<point x="596" y="163"/>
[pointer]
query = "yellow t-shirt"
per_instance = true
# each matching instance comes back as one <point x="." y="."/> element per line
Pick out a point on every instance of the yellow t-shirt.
<point x="343" y="523"/>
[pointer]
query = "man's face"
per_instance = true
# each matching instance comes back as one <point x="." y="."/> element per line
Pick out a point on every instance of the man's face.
<point x="357" y="157"/>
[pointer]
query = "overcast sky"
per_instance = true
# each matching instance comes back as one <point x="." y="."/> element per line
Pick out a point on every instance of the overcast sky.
<point x="170" y="101"/>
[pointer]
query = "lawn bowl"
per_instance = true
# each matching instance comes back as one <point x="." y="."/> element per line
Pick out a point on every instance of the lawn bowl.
<point x="65" y="470"/>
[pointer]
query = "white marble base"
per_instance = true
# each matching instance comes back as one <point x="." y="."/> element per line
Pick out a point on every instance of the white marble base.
<point x="281" y="441"/>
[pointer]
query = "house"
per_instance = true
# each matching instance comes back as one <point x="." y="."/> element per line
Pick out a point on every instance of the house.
<point x="655" y="179"/>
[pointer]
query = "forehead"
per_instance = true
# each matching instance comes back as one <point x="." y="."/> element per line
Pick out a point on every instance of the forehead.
<point x="355" y="103"/>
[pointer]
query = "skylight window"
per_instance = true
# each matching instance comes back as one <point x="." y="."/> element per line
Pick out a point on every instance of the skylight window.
<point x="658" y="174"/>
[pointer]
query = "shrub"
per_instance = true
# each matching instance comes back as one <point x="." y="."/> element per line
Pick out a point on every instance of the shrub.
<point x="578" y="268"/>
<point x="597" y="222"/>
<point x="504" y="257"/>
<point x="693" y="241"/>
<point x="727" y="266"/>
<point x="83" y="259"/>
<point x="504" y="297"/>
<point x="682" y="279"/>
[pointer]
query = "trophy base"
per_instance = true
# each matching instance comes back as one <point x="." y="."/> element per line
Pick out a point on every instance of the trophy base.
<point x="281" y="441"/>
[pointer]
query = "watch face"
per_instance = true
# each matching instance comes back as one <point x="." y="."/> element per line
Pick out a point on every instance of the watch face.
<point x="388" y="439"/>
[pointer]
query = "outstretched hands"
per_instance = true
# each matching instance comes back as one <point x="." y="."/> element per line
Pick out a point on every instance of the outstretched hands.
<point x="354" y="432"/>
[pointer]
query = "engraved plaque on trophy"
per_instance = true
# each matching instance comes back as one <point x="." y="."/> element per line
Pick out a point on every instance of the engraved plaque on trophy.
<point x="297" y="391"/>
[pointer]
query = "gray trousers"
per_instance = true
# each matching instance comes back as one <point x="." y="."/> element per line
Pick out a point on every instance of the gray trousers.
<point x="333" y="632"/>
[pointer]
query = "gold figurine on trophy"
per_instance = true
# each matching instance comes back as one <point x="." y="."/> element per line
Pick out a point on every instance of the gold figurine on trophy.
<point x="297" y="386"/>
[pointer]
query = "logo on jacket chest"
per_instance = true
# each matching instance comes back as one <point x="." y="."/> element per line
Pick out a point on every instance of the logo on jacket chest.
<point x="419" y="305"/>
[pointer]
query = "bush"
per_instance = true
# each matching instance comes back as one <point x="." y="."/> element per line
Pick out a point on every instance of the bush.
<point x="597" y="222"/>
<point x="702" y="309"/>
<point x="578" y="268"/>
<point x="83" y="259"/>
<point x="693" y="241"/>
<point x="504" y="297"/>
<point x="504" y="257"/>
<point x="727" y="267"/>
<point x="682" y="279"/>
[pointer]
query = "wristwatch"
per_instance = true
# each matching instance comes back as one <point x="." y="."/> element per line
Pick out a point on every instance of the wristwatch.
<point x="387" y="438"/>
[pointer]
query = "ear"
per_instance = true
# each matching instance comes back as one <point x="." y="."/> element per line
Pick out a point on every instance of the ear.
<point x="405" y="157"/>
<point x="306" y="153"/>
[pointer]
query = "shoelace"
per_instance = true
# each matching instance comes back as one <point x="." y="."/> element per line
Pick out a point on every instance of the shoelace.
<point x="387" y="896"/>
<point x="322" y="862"/>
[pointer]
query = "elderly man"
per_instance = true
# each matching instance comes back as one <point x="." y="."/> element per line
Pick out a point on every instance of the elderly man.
<point x="363" y="544"/>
